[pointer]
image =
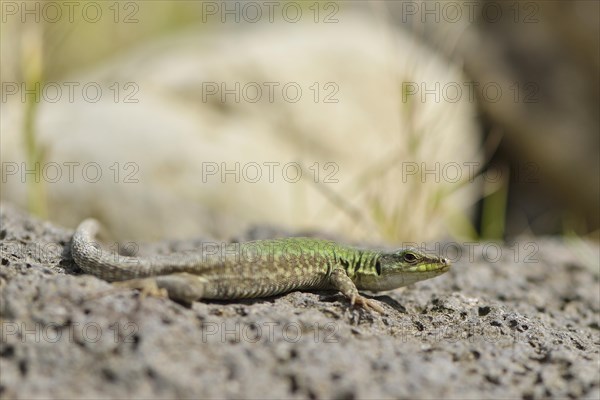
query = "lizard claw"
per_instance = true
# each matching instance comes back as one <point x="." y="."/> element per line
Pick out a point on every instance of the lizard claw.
<point x="367" y="304"/>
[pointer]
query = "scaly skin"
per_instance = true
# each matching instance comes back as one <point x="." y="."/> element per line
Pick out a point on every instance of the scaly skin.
<point x="258" y="269"/>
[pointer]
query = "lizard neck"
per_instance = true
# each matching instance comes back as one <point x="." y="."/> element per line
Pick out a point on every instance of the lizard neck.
<point x="357" y="262"/>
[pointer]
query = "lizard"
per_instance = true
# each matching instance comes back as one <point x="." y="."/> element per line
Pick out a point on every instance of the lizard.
<point x="260" y="268"/>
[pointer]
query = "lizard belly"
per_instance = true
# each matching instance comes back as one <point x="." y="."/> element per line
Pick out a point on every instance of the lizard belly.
<point x="237" y="287"/>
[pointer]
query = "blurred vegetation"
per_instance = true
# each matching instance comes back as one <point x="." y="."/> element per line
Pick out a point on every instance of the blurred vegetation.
<point x="51" y="51"/>
<point x="33" y="67"/>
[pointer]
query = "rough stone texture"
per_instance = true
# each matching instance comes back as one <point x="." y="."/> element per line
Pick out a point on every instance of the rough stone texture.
<point x="508" y="329"/>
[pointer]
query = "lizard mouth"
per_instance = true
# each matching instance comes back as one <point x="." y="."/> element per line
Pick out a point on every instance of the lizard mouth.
<point x="431" y="267"/>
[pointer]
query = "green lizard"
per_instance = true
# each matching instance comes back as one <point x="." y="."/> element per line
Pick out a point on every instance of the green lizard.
<point x="258" y="269"/>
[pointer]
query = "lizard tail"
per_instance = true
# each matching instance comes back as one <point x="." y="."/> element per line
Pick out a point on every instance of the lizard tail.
<point x="94" y="259"/>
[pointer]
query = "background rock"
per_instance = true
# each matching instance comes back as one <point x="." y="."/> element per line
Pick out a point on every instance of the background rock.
<point x="168" y="143"/>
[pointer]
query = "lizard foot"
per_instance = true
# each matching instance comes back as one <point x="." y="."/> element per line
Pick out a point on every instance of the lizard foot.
<point x="367" y="304"/>
<point x="147" y="287"/>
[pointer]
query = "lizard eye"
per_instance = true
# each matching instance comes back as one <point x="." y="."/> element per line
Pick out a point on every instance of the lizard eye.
<point x="410" y="257"/>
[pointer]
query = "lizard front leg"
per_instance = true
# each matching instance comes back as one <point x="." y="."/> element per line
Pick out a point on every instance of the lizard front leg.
<point x="342" y="282"/>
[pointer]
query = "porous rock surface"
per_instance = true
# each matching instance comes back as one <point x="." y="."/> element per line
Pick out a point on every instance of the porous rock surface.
<point x="524" y="326"/>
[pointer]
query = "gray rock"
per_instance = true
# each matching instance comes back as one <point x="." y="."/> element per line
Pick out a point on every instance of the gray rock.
<point x="520" y="327"/>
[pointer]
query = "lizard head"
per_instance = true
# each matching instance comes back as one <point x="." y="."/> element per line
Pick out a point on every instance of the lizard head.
<point x="404" y="267"/>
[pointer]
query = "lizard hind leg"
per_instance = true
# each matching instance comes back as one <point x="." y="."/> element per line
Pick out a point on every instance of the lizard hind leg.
<point x="183" y="286"/>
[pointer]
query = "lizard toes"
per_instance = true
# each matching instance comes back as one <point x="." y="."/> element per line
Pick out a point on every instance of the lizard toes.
<point x="147" y="287"/>
<point x="369" y="304"/>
